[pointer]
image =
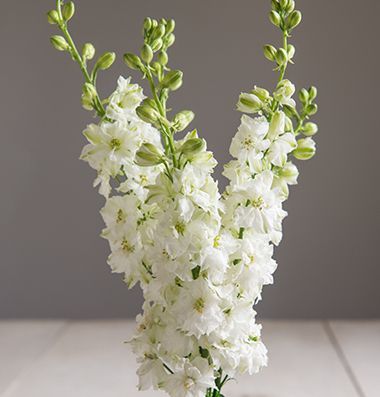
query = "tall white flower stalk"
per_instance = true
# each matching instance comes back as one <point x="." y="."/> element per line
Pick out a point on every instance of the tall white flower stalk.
<point x="201" y="258"/>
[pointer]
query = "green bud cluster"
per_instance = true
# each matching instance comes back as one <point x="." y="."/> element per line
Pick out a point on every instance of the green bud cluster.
<point x="60" y="17"/>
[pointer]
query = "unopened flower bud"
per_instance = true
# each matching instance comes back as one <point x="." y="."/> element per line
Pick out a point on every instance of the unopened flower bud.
<point x="170" y="26"/>
<point x="157" y="44"/>
<point x="270" y="52"/>
<point x="281" y="56"/>
<point x="106" y="60"/>
<point x="290" y="7"/>
<point x="261" y="93"/>
<point x="305" y="149"/>
<point x="310" y="129"/>
<point x="284" y="3"/>
<point x="291" y="51"/>
<point x="147" y="24"/>
<point x="193" y="146"/>
<point x="249" y="103"/>
<point x="288" y="124"/>
<point x="275" y="18"/>
<point x="146" y="53"/>
<point x="158" y="32"/>
<point x="294" y="19"/>
<point x="276" y="126"/>
<point x="147" y="114"/>
<point x="163" y="58"/>
<point x="290" y="111"/>
<point x="289" y="173"/>
<point x="148" y="155"/>
<point x="311" y="109"/>
<point x="53" y="17"/>
<point x="173" y="80"/>
<point x="303" y="95"/>
<point x="169" y="40"/>
<point x="89" y="95"/>
<point x="59" y="43"/>
<point x="133" y="61"/>
<point x="276" y="5"/>
<point x="68" y="10"/>
<point x="88" y="51"/>
<point x="183" y="119"/>
<point x="312" y="93"/>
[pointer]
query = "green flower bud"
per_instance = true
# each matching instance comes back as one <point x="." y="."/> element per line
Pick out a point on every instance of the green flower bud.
<point x="157" y="69"/>
<point x="170" y="26"/>
<point x="169" y="40"/>
<point x="88" y="51"/>
<point x="154" y="24"/>
<point x="303" y="95"/>
<point x="147" y="114"/>
<point x="163" y="21"/>
<point x="146" y="53"/>
<point x="310" y="129"/>
<point x="291" y="51"/>
<point x="288" y="124"/>
<point x="290" y="7"/>
<point x="305" y="149"/>
<point x="311" y="109"/>
<point x="275" y="18"/>
<point x="53" y="17"/>
<point x="289" y="111"/>
<point x="105" y="61"/>
<point x="133" y="61"/>
<point x="147" y="24"/>
<point x="276" y="5"/>
<point x="284" y="3"/>
<point x="89" y="95"/>
<point x="68" y="10"/>
<point x="182" y="120"/>
<point x="163" y="58"/>
<point x="157" y="45"/>
<point x="148" y="155"/>
<point x="312" y="93"/>
<point x="158" y="32"/>
<point x="270" y="52"/>
<point x="249" y="103"/>
<point x="261" y="93"/>
<point x="281" y="56"/>
<point x="173" y="80"/>
<point x="193" y="146"/>
<point x="276" y="126"/>
<point x="294" y="19"/>
<point x="59" y="43"/>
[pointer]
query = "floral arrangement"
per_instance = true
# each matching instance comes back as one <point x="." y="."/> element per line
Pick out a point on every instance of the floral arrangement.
<point x="200" y="257"/>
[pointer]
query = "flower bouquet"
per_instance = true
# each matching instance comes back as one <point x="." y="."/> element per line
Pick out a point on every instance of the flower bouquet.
<point x="200" y="257"/>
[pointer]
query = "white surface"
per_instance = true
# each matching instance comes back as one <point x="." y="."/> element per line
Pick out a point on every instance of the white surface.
<point x="360" y="343"/>
<point x="89" y="359"/>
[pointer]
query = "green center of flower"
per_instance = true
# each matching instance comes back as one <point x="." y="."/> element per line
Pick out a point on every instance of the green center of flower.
<point x="248" y="143"/>
<point x="120" y="216"/>
<point x="115" y="144"/>
<point x="180" y="227"/>
<point x="199" y="305"/>
<point x="258" y="202"/>
<point x="126" y="246"/>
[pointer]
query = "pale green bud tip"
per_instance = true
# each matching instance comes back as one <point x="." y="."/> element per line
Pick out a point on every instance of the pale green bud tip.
<point x="193" y="146"/>
<point x="310" y="129"/>
<point x="68" y="10"/>
<point x="88" y="96"/>
<point x="270" y="52"/>
<point x="294" y="19"/>
<point x="313" y="93"/>
<point x="281" y="56"/>
<point x="133" y="61"/>
<point x="106" y="60"/>
<point x="249" y="103"/>
<point x="183" y="119"/>
<point x="275" y="18"/>
<point x="291" y="51"/>
<point x="59" y="43"/>
<point x="261" y="93"/>
<point x="169" y="40"/>
<point x="173" y="80"/>
<point x="147" y="23"/>
<point x="53" y="17"/>
<point x="163" y="58"/>
<point x="147" y="114"/>
<point x="148" y="155"/>
<point x="88" y="51"/>
<point x="157" y="44"/>
<point x="146" y="53"/>
<point x="170" y="26"/>
<point x="312" y="109"/>
<point x="305" y="149"/>
<point x="303" y="95"/>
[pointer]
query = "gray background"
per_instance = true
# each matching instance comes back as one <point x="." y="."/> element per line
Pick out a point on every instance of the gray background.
<point x="52" y="260"/>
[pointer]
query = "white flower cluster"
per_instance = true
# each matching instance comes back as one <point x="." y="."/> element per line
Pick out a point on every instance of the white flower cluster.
<point x="201" y="259"/>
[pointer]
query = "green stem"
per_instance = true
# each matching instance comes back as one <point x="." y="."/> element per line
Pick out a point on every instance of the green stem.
<point x="74" y="52"/>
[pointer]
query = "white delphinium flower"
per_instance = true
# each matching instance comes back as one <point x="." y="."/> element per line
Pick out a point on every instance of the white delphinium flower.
<point x="192" y="380"/>
<point x="249" y="142"/>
